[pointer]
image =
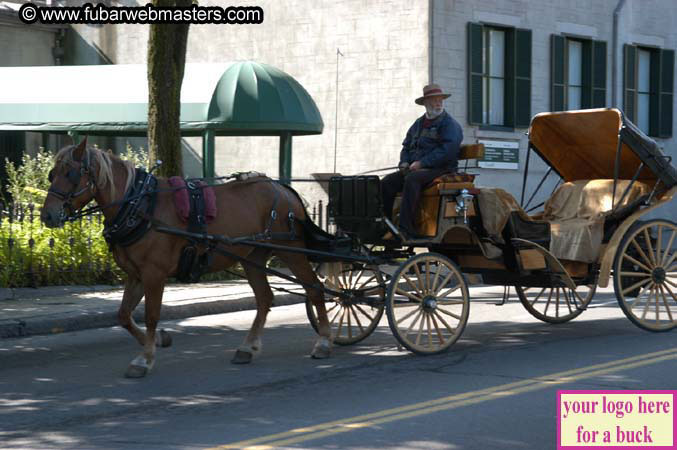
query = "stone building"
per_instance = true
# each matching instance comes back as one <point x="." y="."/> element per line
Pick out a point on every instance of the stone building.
<point x="364" y="63"/>
<point x="20" y="45"/>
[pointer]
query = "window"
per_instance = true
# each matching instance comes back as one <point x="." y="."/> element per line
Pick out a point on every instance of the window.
<point x="499" y="76"/>
<point x="574" y="74"/>
<point x="493" y="91"/>
<point x="643" y="88"/>
<point x="648" y="88"/>
<point x="578" y="73"/>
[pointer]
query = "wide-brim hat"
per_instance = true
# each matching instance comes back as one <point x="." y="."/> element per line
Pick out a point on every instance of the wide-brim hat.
<point x="431" y="90"/>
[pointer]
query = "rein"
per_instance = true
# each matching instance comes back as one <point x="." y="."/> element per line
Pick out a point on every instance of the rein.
<point x="135" y="195"/>
<point x="83" y="212"/>
<point x="379" y="170"/>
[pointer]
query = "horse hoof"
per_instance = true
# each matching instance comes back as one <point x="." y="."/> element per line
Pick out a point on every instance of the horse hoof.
<point x="136" y="372"/>
<point x="321" y="349"/>
<point x="165" y="339"/>
<point x="242" y="357"/>
<point x="321" y="353"/>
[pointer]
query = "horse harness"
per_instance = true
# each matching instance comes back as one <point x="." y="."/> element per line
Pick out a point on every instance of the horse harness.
<point x="135" y="216"/>
<point x="193" y="264"/>
<point x="133" y="219"/>
<point x="267" y="234"/>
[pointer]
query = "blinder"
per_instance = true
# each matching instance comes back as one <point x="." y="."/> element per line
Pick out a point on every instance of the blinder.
<point x="74" y="176"/>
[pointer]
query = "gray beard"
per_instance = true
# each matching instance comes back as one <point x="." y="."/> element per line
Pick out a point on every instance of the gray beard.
<point x="431" y="113"/>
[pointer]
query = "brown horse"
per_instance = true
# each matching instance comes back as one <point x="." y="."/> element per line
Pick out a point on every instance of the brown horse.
<point x="81" y="174"/>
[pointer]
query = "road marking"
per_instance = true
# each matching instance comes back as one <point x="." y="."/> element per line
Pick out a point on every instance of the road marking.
<point x="450" y="402"/>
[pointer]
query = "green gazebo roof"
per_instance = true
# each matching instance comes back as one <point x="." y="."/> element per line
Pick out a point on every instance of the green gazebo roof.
<point x="239" y="98"/>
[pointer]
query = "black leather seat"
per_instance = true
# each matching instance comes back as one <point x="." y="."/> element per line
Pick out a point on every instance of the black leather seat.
<point x="536" y="231"/>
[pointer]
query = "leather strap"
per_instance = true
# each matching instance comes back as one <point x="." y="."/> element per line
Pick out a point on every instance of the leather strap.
<point x="132" y="221"/>
<point x="197" y="222"/>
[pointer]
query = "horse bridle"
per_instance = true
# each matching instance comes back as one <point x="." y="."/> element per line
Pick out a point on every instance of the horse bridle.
<point x="74" y="176"/>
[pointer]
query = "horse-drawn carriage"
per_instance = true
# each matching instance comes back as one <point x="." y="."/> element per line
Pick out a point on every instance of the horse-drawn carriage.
<point x="587" y="231"/>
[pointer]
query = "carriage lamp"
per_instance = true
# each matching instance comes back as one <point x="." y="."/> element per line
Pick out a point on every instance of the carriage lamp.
<point x="462" y="202"/>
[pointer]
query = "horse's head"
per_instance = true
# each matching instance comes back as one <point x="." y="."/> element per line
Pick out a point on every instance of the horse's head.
<point x="72" y="185"/>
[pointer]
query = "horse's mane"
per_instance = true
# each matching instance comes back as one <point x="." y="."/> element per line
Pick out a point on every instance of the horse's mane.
<point x="103" y="161"/>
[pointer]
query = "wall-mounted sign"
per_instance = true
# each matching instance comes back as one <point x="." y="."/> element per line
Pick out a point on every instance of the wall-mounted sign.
<point x="500" y="155"/>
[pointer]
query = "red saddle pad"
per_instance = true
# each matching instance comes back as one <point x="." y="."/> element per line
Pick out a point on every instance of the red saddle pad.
<point x="182" y="201"/>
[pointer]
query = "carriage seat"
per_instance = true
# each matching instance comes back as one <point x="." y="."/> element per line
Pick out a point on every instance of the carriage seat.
<point x="589" y="199"/>
<point x="573" y="216"/>
<point x="576" y="212"/>
<point x="429" y="204"/>
<point x="460" y="180"/>
<point x="449" y="181"/>
<point x="426" y="218"/>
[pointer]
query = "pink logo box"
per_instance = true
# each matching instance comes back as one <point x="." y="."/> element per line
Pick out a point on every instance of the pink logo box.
<point x="611" y="447"/>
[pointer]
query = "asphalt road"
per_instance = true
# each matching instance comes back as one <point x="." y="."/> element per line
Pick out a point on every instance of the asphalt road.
<point x="496" y="388"/>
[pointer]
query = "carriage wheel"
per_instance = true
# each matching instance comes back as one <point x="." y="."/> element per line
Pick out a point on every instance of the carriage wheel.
<point x="427" y="303"/>
<point x="645" y="274"/>
<point x="555" y="304"/>
<point x="351" y="320"/>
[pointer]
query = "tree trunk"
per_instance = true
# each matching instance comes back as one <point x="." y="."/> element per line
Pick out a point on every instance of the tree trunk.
<point x="166" y="61"/>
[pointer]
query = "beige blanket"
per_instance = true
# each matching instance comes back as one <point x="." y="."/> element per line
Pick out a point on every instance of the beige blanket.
<point x="496" y="205"/>
<point x="576" y="212"/>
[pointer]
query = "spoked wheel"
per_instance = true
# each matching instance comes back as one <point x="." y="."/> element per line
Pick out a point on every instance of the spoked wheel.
<point x="645" y="274"/>
<point x="427" y="303"/>
<point x="353" y="319"/>
<point x="555" y="304"/>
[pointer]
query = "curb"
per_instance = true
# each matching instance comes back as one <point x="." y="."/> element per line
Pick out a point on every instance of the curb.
<point x="66" y="322"/>
<point x="53" y="291"/>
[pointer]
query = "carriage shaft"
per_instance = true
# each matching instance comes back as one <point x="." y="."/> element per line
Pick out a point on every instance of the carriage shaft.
<point x="247" y="241"/>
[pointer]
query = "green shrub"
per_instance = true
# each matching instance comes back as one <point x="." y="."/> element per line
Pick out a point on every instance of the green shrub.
<point x="33" y="255"/>
<point x="28" y="183"/>
<point x="138" y="157"/>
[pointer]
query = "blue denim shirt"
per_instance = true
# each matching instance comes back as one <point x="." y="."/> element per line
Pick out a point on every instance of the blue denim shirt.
<point x="436" y="146"/>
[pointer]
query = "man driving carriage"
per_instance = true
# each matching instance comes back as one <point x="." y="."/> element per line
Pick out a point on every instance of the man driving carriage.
<point x="430" y="149"/>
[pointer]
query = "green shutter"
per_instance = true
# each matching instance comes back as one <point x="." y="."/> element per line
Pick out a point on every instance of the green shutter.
<point x="475" y="70"/>
<point x="556" y="73"/>
<point x="522" y="78"/>
<point x="629" y="81"/>
<point x="586" y="75"/>
<point x="666" y="92"/>
<point x="599" y="74"/>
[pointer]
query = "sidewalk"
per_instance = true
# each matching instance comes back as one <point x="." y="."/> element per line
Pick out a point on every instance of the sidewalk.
<point x="28" y="312"/>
